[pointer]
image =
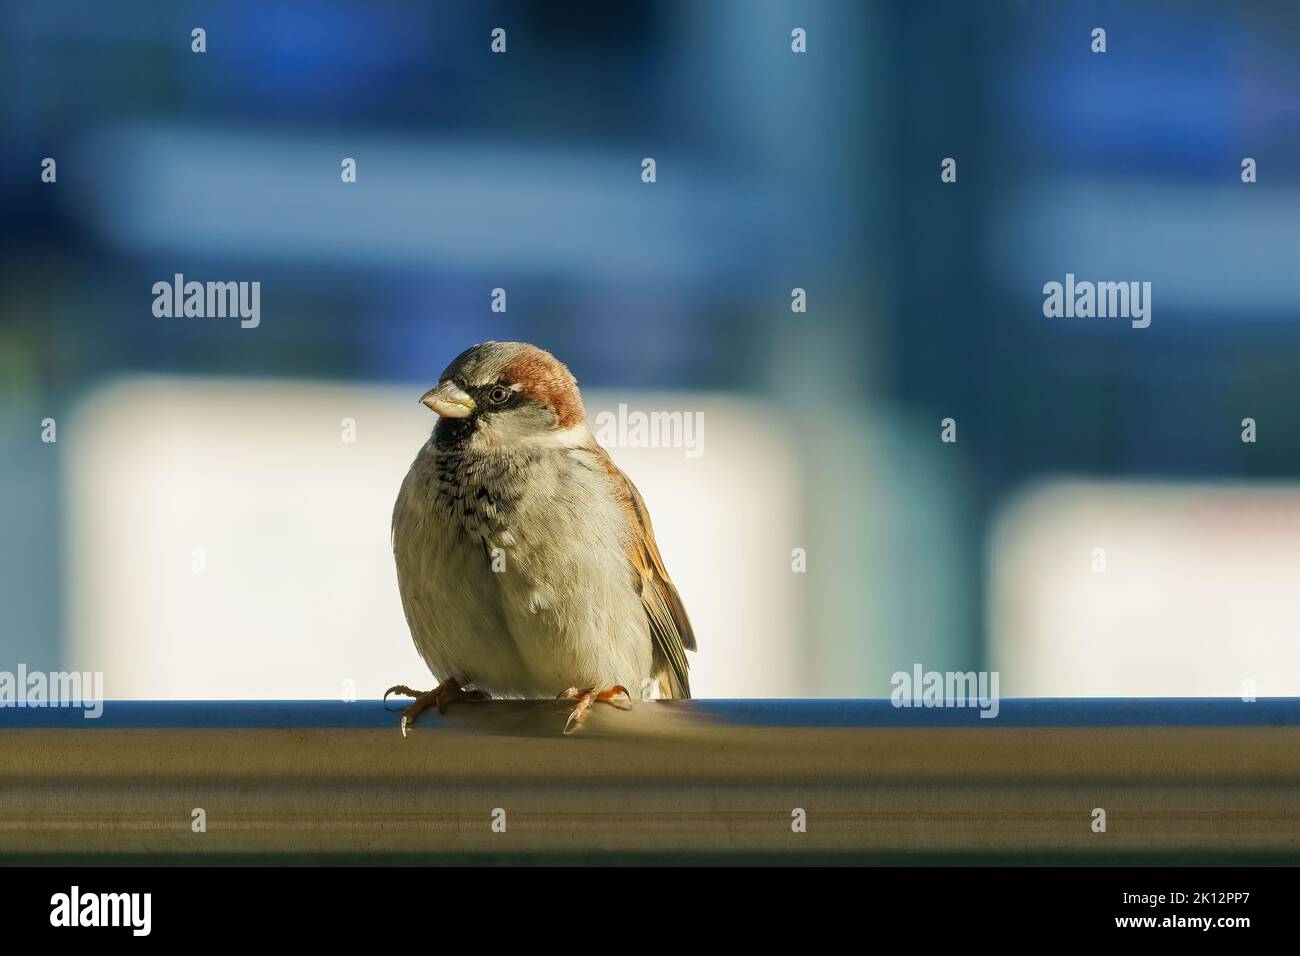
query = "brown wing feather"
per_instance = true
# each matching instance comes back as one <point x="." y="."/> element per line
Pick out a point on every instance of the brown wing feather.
<point x="670" y="628"/>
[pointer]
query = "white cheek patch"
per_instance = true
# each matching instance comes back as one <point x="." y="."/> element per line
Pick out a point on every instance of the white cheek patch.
<point x="575" y="436"/>
<point x="500" y="434"/>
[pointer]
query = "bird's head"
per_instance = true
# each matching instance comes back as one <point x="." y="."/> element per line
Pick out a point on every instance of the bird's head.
<point x="505" y="393"/>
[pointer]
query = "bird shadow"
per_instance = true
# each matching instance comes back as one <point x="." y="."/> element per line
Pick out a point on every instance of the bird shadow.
<point x="546" y="718"/>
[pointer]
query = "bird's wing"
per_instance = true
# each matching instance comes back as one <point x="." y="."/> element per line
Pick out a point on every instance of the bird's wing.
<point x="670" y="628"/>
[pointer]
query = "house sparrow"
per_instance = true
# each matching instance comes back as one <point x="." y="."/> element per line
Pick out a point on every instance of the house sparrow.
<point x="525" y="557"/>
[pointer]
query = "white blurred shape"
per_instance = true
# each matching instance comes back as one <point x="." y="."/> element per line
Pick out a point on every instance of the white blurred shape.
<point x="297" y="592"/>
<point x="1198" y="592"/>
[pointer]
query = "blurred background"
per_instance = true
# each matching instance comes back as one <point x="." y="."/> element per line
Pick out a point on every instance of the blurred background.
<point x="206" y="525"/>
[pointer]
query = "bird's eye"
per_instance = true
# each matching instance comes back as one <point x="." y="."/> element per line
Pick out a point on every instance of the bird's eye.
<point x="499" y="395"/>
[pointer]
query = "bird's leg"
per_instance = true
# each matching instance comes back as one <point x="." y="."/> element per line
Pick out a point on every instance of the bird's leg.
<point x="445" y="693"/>
<point x="583" y="699"/>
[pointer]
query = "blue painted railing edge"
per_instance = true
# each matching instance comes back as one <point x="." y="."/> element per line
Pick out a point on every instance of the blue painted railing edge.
<point x="1015" y="712"/>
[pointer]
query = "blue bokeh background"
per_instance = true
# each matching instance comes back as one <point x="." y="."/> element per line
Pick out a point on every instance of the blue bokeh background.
<point x="774" y="171"/>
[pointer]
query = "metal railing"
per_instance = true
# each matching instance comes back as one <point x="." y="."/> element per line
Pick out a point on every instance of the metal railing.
<point x="682" y="780"/>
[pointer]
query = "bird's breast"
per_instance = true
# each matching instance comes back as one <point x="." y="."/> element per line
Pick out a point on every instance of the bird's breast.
<point x="478" y="496"/>
<point x="547" y="511"/>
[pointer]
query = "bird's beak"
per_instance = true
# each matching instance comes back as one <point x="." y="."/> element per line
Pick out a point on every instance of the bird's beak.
<point x="449" y="400"/>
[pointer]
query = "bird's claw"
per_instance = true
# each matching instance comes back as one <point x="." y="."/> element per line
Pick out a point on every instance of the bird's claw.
<point x="583" y="699"/>
<point x="404" y="691"/>
<point x="445" y="693"/>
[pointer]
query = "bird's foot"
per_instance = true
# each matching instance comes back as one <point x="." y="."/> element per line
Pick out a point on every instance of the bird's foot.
<point x="583" y="699"/>
<point x="445" y="693"/>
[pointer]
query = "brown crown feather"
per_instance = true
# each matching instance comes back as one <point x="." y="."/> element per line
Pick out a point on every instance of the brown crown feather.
<point x="545" y="379"/>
